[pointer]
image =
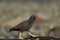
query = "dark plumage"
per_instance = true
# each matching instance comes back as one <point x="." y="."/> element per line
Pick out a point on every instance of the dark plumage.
<point x="25" y="25"/>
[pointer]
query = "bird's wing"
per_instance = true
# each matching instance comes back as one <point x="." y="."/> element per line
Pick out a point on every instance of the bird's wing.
<point x="21" y="25"/>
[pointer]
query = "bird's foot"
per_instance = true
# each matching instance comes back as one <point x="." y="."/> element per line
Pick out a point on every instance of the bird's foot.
<point x="21" y="38"/>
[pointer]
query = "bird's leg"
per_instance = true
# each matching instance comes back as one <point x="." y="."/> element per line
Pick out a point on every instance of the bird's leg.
<point x="20" y="35"/>
<point x="32" y="34"/>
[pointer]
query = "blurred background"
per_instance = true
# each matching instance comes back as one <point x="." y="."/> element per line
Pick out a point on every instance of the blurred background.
<point x="12" y="12"/>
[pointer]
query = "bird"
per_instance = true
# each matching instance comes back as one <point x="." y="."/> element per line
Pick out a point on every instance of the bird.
<point x="25" y="25"/>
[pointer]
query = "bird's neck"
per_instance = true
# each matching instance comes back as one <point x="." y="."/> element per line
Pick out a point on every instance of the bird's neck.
<point x="31" y="21"/>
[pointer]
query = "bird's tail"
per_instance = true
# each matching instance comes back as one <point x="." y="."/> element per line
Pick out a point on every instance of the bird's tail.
<point x="10" y="30"/>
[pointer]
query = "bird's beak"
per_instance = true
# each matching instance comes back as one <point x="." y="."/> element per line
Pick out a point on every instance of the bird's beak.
<point x="37" y="19"/>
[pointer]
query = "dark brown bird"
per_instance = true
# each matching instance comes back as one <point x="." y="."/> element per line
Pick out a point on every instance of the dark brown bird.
<point x="25" y="25"/>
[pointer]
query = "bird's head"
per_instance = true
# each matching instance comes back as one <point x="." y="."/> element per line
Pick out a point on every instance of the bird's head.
<point x="34" y="18"/>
